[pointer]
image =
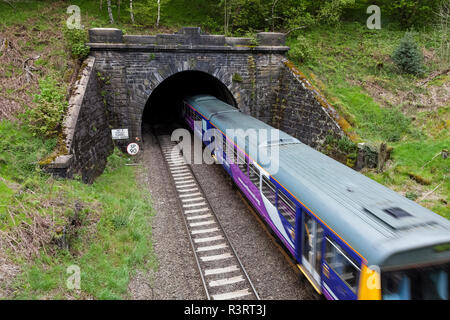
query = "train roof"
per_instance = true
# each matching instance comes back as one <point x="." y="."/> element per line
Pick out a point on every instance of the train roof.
<point x="208" y="106"/>
<point x="378" y="223"/>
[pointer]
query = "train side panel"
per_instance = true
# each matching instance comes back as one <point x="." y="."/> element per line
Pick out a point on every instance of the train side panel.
<point x="334" y="256"/>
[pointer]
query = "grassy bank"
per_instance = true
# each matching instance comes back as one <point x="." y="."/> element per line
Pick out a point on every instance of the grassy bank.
<point x="352" y="66"/>
<point x="48" y="225"/>
<point x="103" y="228"/>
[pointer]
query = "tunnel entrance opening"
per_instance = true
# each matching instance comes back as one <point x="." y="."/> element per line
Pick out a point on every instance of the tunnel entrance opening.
<point x="163" y="105"/>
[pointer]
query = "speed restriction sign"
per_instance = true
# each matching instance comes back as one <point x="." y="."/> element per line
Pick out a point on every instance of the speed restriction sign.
<point x="133" y="149"/>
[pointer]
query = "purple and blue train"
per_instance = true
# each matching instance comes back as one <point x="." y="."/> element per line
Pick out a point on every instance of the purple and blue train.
<point x="351" y="237"/>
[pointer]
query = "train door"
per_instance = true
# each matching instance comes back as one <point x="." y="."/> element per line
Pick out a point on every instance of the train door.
<point x="341" y="271"/>
<point x="312" y="239"/>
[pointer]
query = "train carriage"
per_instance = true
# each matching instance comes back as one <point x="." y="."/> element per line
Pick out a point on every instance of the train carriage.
<point x="351" y="237"/>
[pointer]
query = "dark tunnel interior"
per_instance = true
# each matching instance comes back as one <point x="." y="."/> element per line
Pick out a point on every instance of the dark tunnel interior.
<point x="163" y="106"/>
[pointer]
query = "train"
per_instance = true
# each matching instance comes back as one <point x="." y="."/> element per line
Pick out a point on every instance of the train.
<point x="351" y="237"/>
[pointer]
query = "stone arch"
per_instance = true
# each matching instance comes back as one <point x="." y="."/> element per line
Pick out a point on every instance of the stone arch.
<point x="166" y="96"/>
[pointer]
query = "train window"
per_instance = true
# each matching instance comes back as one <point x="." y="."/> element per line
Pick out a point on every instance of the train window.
<point x="235" y="155"/>
<point x="224" y="144"/>
<point x="286" y="207"/>
<point x="242" y="162"/>
<point x="344" y="266"/>
<point x="427" y="283"/>
<point x="396" y="286"/>
<point x="193" y="115"/>
<point x="268" y="189"/>
<point x="229" y="150"/>
<point x="254" y="175"/>
<point x="218" y="139"/>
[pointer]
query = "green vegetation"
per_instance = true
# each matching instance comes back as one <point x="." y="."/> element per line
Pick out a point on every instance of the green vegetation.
<point x="76" y="39"/>
<point x="371" y="77"/>
<point x="301" y="50"/>
<point x="45" y="119"/>
<point x="101" y="228"/>
<point x="352" y="66"/>
<point x="408" y="56"/>
<point x="111" y="238"/>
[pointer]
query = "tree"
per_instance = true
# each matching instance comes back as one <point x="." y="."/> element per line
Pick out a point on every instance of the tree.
<point x="118" y="10"/>
<point x="242" y="16"/>
<point x="111" y="18"/>
<point x="408" y="56"/>
<point x="331" y="11"/>
<point x="294" y="15"/>
<point x="159" y="13"/>
<point x="273" y="18"/>
<point x="410" y="12"/>
<point x="148" y="10"/>
<point x="131" y="11"/>
<point x="442" y="25"/>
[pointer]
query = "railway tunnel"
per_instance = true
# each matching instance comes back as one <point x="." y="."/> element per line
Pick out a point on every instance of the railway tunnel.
<point x="165" y="100"/>
<point x="131" y="80"/>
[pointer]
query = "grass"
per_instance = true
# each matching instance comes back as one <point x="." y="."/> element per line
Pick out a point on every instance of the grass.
<point x="372" y="122"/>
<point x="113" y="238"/>
<point x="419" y="168"/>
<point x="23" y="11"/>
<point x="108" y="249"/>
<point x="351" y="65"/>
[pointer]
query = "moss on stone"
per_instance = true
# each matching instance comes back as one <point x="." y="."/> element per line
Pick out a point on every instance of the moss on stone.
<point x="60" y="150"/>
<point x="237" y="78"/>
<point x="343" y="123"/>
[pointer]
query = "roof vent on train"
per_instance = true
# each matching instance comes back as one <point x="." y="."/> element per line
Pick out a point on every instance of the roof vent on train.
<point x="397" y="212"/>
<point x="395" y="218"/>
<point x="280" y="141"/>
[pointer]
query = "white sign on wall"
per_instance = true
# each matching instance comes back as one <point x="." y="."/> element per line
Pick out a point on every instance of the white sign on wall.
<point x="119" y="134"/>
<point x="133" y="149"/>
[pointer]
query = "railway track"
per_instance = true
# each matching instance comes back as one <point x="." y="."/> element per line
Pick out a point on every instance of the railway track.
<point x="222" y="273"/>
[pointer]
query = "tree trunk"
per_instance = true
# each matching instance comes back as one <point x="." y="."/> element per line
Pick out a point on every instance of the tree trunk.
<point x="111" y="18"/>
<point x="101" y="5"/>
<point x="225" y="19"/>
<point x="131" y="11"/>
<point x="118" y="10"/>
<point x="273" y="14"/>
<point x="159" y="13"/>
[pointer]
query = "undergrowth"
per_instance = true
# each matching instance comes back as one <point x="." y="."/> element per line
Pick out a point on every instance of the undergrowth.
<point x="112" y="237"/>
<point x="352" y="66"/>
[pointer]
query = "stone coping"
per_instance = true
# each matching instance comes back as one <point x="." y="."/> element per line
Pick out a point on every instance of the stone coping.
<point x="185" y="48"/>
<point x="189" y="38"/>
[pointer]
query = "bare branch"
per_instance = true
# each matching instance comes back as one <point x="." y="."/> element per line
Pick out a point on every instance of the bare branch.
<point x="8" y="2"/>
<point x="302" y="27"/>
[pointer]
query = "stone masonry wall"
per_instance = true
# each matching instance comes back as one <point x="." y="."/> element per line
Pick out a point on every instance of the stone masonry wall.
<point x="123" y="71"/>
<point x="131" y="71"/>
<point x="301" y="111"/>
<point x="86" y="130"/>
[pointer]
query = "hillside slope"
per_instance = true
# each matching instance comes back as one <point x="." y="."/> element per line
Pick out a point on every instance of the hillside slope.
<point x="47" y="225"/>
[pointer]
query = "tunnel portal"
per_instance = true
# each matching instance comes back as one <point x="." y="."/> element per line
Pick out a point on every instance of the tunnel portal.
<point x="131" y="80"/>
<point x="166" y="99"/>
